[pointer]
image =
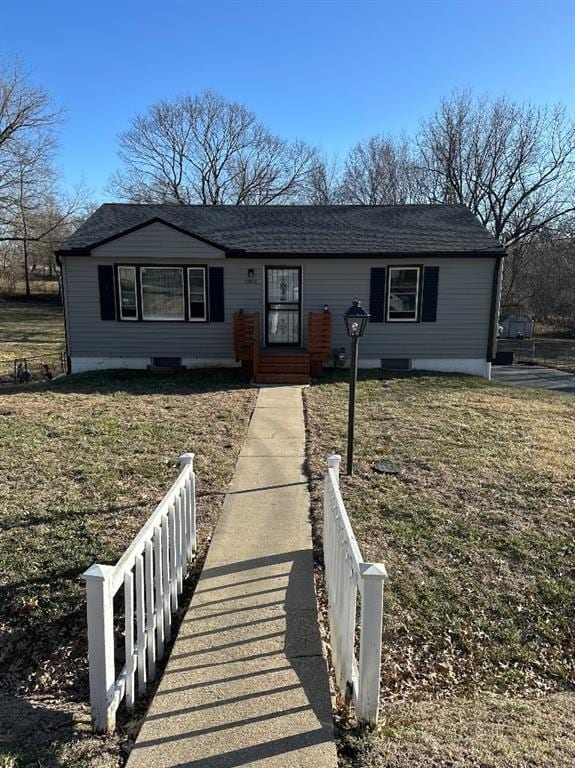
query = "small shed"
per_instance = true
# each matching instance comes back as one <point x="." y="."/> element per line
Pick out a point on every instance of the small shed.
<point x="516" y="327"/>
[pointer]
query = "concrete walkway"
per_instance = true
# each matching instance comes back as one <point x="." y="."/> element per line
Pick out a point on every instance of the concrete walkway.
<point x="535" y="377"/>
<point x="246" y="683"/>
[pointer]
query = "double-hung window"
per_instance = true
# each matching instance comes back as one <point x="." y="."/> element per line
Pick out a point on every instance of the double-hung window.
<point x="403" y="294"/>
<point x="128" y="299"/>
<point x="197" y="293"/>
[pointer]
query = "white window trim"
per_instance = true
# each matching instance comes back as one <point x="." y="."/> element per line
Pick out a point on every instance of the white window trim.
<point x="204" y="318"/>
<point x="415" y="318"/>
<point x="159" y="319"/>
<point x="120" y="268"/>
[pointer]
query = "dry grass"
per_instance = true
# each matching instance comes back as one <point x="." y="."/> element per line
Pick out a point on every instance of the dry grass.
<point x="83" y="462"/>
<point x="477" y="534"/>
<point x="14" y="286"/>
<point x="29" y="329"/>
<point x="483" y="733"/>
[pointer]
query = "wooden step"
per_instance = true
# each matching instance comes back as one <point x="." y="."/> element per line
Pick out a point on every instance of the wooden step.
<point x="281" y="378"/>
<point x="269" y="367"/>
<point x="283" y="368"/>
<point x="284" y="358"/>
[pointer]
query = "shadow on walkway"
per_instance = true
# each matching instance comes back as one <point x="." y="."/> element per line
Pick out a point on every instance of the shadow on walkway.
<point x="247" y="682"/>
<point x="281" y="675"/>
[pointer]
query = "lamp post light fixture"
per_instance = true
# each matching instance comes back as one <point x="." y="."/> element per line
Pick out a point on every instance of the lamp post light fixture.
<point x="356" y="319"/>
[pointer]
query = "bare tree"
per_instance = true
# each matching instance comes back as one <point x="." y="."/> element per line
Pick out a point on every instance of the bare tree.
<point x="553" y="277"/>
<point x="517" y="289"/>
<point x="513" y="165"/>
<point x="34" y="212"/>
<point x="41" y="215"/>
<point x="204" y="149"/>
<point x="323" y="183"/>
<point x="539" y="275"/>
<point x="379" y="171"/>
<point x="27" y="128"/>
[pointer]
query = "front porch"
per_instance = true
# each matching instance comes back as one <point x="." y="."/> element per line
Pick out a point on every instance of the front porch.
<point x="280" y="364"/>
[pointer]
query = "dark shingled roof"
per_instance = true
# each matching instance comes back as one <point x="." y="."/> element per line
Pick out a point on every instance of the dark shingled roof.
<point x="339" y="230"/>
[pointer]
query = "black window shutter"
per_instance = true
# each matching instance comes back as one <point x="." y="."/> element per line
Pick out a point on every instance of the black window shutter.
<point x="217" y="311"/>
<point x="377" y="294"/>
<point x="429" y="297"/>
<point x="107" y="296"/>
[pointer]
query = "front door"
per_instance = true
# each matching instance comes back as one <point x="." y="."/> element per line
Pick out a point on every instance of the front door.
<point x="283" y="306"/>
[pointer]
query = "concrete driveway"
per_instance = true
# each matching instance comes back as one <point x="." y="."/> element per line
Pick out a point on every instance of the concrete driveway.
<point x="535" y="376"/>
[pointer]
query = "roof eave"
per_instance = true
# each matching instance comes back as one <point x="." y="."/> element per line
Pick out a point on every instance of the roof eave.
<point x="488" y="254"/>
<point x="238" y="253"/>
<point x="72" y="252"/>
<point x="86" y="249"/>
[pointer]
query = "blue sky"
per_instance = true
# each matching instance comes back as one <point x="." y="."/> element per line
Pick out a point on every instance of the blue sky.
<point x="331" y="72"/>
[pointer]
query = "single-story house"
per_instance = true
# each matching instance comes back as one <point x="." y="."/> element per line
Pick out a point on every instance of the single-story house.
<point x="516" y="326"/>
<point x="177" y="285"/>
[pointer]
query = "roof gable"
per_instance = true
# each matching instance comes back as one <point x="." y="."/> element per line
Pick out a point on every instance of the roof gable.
<point x="144" y="225"/>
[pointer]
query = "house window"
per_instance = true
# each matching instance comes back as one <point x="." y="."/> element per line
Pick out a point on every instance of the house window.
<point x="128" y="301"/>
<point x="162" y="293"/>
<point x="403" y="294"/>
<point x="197" y="293"/>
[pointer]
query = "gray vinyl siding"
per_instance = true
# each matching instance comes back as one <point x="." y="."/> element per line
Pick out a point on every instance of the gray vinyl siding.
<point x="463" y="308"/>
<point x="461" y="329"/>
<point x="159" y="242"/>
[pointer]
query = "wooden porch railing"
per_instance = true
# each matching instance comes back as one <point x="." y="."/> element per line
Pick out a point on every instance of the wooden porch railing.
<point x="247" y="341"/>
<point x="318" y="340"/>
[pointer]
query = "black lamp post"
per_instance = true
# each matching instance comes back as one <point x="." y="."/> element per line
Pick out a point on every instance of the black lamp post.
<point x="356" y="319"/>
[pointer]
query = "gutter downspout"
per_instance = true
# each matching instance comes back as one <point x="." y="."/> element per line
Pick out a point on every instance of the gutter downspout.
<point x="495" y="301"/>
<point x="60" y="263"/>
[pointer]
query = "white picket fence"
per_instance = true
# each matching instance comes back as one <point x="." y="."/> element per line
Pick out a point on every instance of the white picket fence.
<point x="151" y="571"/>
<point x="347" y="575"/>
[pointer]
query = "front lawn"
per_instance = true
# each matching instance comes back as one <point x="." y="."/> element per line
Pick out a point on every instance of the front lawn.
<point x="83" y="462"/>
<point x="31" y="331"/>
<point x="477" y="534"/>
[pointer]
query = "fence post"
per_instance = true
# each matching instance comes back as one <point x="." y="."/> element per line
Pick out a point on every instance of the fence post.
<point x="329" y="534"/>
<point x="333" y="462"/>
<point x="187" y="460"/>
<point x="373" y="576"/>
<point x="100" y="609"/>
